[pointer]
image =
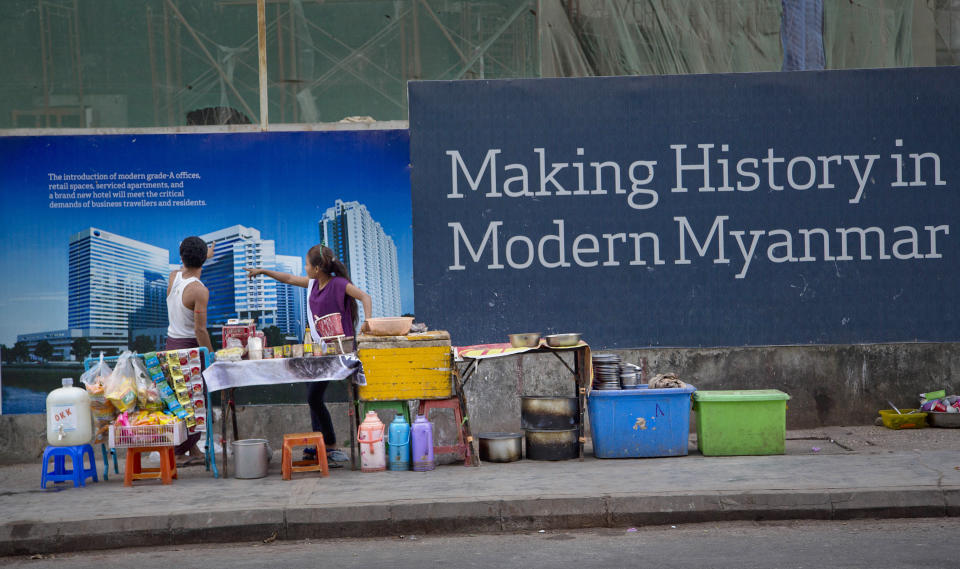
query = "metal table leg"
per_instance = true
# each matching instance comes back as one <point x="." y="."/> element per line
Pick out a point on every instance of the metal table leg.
<point x="581" y="398"/>
<point x="352" y="410"/>
<point x="224" y="396"/>
<point x="211" y="454"/>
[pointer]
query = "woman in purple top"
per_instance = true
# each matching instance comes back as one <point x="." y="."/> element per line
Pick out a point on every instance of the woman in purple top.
<point x="329" y="290"/>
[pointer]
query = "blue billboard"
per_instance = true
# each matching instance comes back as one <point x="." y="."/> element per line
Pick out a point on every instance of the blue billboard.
<point x="705" y="210"/>
<point x="92" y="226"/>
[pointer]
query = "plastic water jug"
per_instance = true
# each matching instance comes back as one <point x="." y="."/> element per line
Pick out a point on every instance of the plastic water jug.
<point x="370" y="437"/>
<point x="398" y="444"/>
<point x="422" y="444"/>
<point x="69" y="422"/>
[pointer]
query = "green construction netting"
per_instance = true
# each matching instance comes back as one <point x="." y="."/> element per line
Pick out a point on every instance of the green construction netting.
<point x="115" y="63"/>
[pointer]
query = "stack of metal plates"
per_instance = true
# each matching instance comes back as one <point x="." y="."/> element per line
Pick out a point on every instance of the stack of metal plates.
<point x="629" y="375"/>
<point x="606" y="371"/>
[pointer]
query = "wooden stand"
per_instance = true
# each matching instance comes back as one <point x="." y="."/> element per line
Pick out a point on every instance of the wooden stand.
<point x="582" y="375"/>
<point x="473" y="449"/>
<point x="414" y="367"/>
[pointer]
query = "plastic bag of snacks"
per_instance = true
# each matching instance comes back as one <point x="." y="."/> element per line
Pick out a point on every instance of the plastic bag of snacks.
<point x="230" y="354"/>
<point x="97" y="373"/>
<point x="148" y="395"/>
<point x="120" y="387"/>
<point x="151" y="418"/>
<point x="102" y="410"/>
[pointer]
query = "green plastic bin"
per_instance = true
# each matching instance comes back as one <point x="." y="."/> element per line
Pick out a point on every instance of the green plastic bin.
<point x="741" y="422"/>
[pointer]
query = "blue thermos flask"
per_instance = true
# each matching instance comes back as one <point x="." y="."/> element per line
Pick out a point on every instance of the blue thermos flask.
<point x="398" y="444"/>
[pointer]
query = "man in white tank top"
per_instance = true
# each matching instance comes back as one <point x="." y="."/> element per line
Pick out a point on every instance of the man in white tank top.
<point x="187" y="300"/>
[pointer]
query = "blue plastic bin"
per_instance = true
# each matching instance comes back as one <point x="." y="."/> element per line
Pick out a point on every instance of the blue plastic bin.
<point x="639" y="423"/>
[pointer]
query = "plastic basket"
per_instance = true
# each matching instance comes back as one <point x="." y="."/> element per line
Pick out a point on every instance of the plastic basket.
<point x="172" y="434"/>
<point x="905" y="420"/>
<point x="329" y="325"/>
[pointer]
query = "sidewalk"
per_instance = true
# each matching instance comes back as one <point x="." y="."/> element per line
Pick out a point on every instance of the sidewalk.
<point x="866" y="472"/>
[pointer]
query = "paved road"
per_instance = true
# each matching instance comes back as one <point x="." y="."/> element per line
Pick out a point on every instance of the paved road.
<point x="868" y="544"/>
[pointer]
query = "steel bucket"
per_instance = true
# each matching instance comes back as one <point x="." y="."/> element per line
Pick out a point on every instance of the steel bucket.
<point x="251" y="457"/>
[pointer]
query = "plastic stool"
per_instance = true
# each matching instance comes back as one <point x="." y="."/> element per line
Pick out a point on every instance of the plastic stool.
<point x="134" y="471"/>
<point x="452" y="403"/>
<point x="289" y="466"/>
<point x="399" y="407"/>
<point x="78" y="471"/>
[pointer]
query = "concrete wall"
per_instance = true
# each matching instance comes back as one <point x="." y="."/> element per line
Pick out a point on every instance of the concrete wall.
<point x="828" y="385"/>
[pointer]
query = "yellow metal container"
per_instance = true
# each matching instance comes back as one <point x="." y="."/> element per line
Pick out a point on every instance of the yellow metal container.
<point x="415" y="366"/>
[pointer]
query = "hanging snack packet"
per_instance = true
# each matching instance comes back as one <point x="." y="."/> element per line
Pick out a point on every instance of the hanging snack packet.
<point x="148" y="395"/>
<point x="120" y="387"/>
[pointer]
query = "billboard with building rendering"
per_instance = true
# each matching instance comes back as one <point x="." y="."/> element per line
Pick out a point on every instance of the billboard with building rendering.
<point x="92" y="226"/>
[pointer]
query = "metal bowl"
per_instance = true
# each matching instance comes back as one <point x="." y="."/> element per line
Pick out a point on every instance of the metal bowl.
<point x="500" y="447"/>
<point x="563" y="340"/>
<point x="527" y="340"/>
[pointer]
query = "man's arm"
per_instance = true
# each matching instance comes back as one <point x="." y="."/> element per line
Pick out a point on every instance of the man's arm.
<point x="170" y="281"/>
<point x="201" y="296"/>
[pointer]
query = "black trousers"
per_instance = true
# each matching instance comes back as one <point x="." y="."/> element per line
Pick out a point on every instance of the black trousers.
<point x="320" y="418"/>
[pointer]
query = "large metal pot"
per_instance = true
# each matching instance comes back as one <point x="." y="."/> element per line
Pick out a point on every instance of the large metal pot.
<point x="539" y="413"/>
<point x="500" y="447"/>
<point x="250" y="458"/>
<point x="553" y="445"/>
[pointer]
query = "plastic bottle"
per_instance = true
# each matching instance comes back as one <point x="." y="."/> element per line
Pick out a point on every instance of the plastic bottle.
<point x="370" y="437"/>
<point x="398" y="444"/>
<point x="69" y="421"/>
<point x="422" y="444"/>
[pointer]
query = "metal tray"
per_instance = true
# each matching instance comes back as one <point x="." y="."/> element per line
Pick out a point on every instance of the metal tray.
<point x="944" y="420"/>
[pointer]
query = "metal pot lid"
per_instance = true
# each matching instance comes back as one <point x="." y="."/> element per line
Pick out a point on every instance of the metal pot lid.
<point x="498" y="435"/>
<point x="548" y="397"/>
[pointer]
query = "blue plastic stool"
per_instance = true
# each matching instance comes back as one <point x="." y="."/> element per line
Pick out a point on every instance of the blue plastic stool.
<point x="78" y="473"/>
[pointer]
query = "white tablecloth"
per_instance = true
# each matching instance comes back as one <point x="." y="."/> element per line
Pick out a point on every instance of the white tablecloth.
<point x="278" y="371"/>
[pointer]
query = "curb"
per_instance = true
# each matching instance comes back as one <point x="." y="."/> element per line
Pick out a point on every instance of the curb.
<point x="484" y="516"/>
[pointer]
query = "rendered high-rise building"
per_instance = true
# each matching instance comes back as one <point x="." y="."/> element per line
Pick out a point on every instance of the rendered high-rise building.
<point x="116" y="282"/>
<point x="368" y="252"/>
<point x="290" y="298"/>
<point x="232" y="294"/>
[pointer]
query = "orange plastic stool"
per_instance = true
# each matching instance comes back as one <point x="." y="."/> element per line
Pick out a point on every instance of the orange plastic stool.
<point x="289" y="466"/>
<point x="452" y="403"/>
<point x="134" y="471"/>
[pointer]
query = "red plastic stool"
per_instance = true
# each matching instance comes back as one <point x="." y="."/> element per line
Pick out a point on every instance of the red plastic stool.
<point x="134" y="471"/>
<point x="289" y="466"/>
<point x="452" y="403"/>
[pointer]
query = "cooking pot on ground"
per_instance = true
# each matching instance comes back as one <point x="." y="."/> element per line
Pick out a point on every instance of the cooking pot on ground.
<point x="500" y="447"/>
<point x="562" y="444"/>
<point x="548" y="412"/>
<point x="251" y="457"/>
